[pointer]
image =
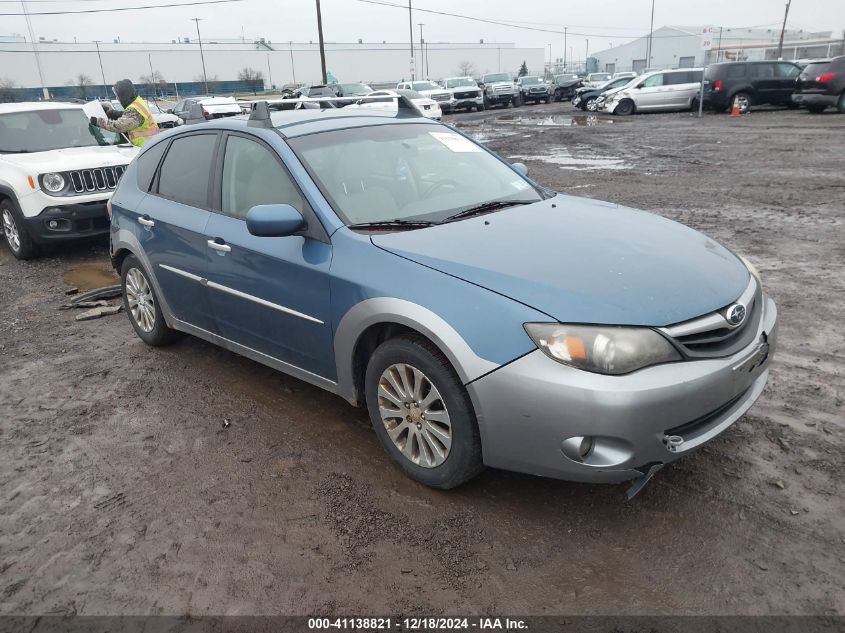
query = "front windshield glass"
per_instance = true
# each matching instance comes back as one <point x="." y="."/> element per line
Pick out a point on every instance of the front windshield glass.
<point x="566" y="77"/>
<point x="599" y="76"/>
<point x="424" y="85"/>
<point x="496" y="77"/>
<point x="44" y="130"/>
<point x="531" y="81"/>
<point x="461" y="83"/>
<point x="355" y="89"/>
<point x="406" y="172"/>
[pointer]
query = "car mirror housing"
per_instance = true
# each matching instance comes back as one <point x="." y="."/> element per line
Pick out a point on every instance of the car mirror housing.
<point x="520" y="168"/>
<point x="274" y="220"/>
<point x="169" y="110"/>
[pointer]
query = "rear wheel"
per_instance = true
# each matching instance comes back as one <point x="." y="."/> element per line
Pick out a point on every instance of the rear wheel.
<point x="694" y="105"/>
<point x="142" y="305"/>
<point x="15" y="232"/>
<point x="743" y="100"/>
<point x="422" y="413"/>
<point x="479" y="107"/>
<point x="840" y="105"/>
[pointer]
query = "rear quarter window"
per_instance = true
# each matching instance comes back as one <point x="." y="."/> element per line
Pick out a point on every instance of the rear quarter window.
<point x="735" y="72"/>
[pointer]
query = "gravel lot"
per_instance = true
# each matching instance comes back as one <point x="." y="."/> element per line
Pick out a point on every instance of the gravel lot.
<point x="122" y="492"/>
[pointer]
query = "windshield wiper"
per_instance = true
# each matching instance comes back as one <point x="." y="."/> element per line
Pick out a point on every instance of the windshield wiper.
<point x="398" y="222"/>
<point x="486" y="207"/>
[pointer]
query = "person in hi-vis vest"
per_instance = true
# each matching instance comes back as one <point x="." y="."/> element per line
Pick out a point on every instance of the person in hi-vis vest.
<point x="136" y="120"/>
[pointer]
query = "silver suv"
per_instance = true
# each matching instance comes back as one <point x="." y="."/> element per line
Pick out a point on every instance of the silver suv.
<point x="654" y="91"/>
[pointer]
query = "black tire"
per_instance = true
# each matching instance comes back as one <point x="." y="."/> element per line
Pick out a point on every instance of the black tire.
<point x="840" y="105"/>
<point x="816" y="108"/>
<point x="463" y="460"/>
<point x="479" y="107"/>
<point x="586" y="106"/>
<point x="625" y="108"/>
<point x="15" y="233"/>
<point x="694" y="105"/>
<point x="744" y="100"/>
<point x="517" y="102"/>
<point x="159" y="334"/>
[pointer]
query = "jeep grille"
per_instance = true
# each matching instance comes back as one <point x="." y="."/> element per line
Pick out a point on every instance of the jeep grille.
<point x="99" y="179"/>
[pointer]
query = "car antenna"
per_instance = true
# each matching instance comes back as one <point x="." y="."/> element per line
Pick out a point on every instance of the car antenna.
<point x="260" y="115"/>
<point x="195" y="115"/>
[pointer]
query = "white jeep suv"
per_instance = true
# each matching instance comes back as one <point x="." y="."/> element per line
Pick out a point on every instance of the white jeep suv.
<point x="56" y="174"/>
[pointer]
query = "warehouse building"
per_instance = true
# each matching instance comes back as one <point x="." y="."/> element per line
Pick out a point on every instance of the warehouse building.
<point x="280" y="64"/>
<point x="687" y="47"/>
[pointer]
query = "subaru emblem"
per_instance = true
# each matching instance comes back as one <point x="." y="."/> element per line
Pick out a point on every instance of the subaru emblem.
<point x="736" y="314"/>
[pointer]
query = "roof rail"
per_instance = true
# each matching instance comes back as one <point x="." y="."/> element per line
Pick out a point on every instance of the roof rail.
<point x="260" y="115"/>
<point x="195" y="115"/>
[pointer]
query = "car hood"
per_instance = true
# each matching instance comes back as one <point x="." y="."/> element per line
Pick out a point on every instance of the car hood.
<point x="609" y="93"/>
<point x="583" y="261"/>
<point x="165" y="117"/>
<point x="72" y="158"/>
<point x="493" y="84"/>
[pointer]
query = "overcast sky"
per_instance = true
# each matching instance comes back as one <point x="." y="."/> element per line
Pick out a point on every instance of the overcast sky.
<point x="605" y="22"/>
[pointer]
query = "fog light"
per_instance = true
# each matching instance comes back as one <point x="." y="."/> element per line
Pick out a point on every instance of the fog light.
<point x="58" y="224"/>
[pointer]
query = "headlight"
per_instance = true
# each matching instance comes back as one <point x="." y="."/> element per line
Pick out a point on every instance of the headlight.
<point x="602" y="349"/>
<point x="53" y="182"/>
<point x="752" y="269"/>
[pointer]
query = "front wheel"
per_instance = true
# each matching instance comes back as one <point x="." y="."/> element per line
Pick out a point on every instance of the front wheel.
<point x="422" y="413"/>
<point x="840" y="105"/>
<point x="15" y="232"/>
<point x="625" y="108"/>
<point x="479" y="107"/>
<point x="143" y="306"/>
<point x="816" y="108"/>
<point x="591" y="105"/>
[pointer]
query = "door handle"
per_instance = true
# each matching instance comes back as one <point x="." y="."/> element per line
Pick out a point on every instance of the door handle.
<point x="217" y="246"/>
<point x="145" y="221"/>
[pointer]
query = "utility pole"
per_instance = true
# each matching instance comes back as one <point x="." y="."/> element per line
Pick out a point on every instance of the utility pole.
<point x="269" y="72"/>
<point x="783" y="29"/>
<point x="719" y="49"/>
<point x="44" y="90"/>
<point x="152" y="75"/>
<point x="322" y="44"/>
<point x="587" y="56"/>
<point x="650" y="34"/>
<point x="102" y="72"/>
<point x="565" y="29"/>
<point x="202" y="56"/>
<point x="411" y="32"/>
<point x="292" y="69"/>
<point x="422" y="50"/>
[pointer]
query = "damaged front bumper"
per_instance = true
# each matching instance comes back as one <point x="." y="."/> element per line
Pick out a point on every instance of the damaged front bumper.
<point x="537" y="416"/>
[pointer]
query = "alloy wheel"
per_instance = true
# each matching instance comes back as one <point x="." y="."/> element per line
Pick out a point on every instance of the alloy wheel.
<point x="415" y="416"/>
<point x="10" y="230"/>
<point x="592" y="105"/>
<point x="140" y="300"/>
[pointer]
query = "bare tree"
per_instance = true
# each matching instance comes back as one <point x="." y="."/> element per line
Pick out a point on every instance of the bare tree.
<point x="214" y="83"/>
<point x="153" y="81"/>
<point x="466" y="68"/>
<point x="7" y="89"/>
<point x="83" y="84"/>
<point x="252" y="78"/>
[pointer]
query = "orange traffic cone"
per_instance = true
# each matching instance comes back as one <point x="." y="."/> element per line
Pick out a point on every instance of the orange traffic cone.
<point x="735" y="108"/>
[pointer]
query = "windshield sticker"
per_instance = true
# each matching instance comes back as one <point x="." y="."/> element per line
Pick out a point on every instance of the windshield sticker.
<point x="456" y="142"/>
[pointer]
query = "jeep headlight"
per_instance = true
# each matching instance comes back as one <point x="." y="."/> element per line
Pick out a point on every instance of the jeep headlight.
<point x="603" y="349"/>
<point x="53" y="182"/>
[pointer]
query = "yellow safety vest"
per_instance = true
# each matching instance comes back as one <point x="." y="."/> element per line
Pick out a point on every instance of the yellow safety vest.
<point x="148" y="128"/>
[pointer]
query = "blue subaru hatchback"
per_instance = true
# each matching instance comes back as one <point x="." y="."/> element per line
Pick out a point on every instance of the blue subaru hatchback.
<point x="481" y="318"/>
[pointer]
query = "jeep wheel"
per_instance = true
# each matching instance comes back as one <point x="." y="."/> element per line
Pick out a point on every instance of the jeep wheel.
<point x="142" y="305"/>
<point x="625" y="108"/>
<point x="422" y="413"/>
<point x="15" y="232"/>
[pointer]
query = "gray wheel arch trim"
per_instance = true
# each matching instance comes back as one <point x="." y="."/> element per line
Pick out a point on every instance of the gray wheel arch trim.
<point x="467" y="364"/>
<point x="124" y="240"/>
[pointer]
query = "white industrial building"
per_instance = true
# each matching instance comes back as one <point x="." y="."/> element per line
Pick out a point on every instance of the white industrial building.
<point x="280" y="64"/>
<point x="686" y="47"/>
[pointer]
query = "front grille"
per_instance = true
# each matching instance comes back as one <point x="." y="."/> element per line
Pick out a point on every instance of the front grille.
<point x="691" y="430"/>
<point x="712" y="336"/>
<point x="441" y="96"/>
<point x="93" y="180"/>
<point x="471" y="94"/>
<point x="503" y="89"/>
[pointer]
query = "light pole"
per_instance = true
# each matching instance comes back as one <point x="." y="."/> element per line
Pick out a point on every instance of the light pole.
<point x="411" y="33"/>
<point x="202" y="56"/>
<point x="565" y="29"/>
<point x="292" y="69"/>
<point x="44" y="91"/>
<point x="650" y="33"/>
<point x="783" y="29"/>
<point x="422" y="48"/>
<point x="550" y="59"/>
<point x="102" y="72"/>
<point x="152" y="74"/>
<point x="322" y="44"/>
<point x="269" y="72"/>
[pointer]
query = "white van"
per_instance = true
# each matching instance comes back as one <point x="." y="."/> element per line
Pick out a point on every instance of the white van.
<point x="658" y="90"/>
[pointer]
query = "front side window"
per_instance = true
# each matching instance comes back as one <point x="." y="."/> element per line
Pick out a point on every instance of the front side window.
<point x="252" y="176"/>
<point x="654" y="81"/>
<point x="186" y="170"/>
<point x="407" y="172"/>
<point x="788" y="71"/>
<point x="45" y="130"/>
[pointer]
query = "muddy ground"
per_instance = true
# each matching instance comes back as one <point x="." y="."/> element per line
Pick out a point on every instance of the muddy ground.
<point x="122" y="492"/>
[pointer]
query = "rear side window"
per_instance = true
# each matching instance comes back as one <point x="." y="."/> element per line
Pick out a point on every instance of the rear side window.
<point x="147" y="163"/>
<point x="186" y="170"/>
<point x="735" y="72"/>
<point x="763" y="71"/>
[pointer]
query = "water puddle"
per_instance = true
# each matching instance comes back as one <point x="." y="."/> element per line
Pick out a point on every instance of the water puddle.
<point x="90" y="276"/>
<point x="485" y="136"/>
<point x="556" y="120"/>
<point x="562" y="157"/>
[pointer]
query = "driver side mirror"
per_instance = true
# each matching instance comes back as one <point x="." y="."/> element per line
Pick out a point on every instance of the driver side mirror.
<point x="169" y="110"/>
<point x="274" y="220"/>
<point x="520" y="168"/>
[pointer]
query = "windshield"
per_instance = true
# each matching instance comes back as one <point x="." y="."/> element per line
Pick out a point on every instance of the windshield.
<point x="599" y="77"/>
<point x="531" y="81"/>
<point x="460" y="83"/>
<point x="154" y="108"/>
<point x="425" y="85"/>
<point x="496" y="77"/>
<point x="406" y="172"/>
<point x="355" y="89"/>
<point x="44" y="130"/>
<point x="566" y="77"/>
